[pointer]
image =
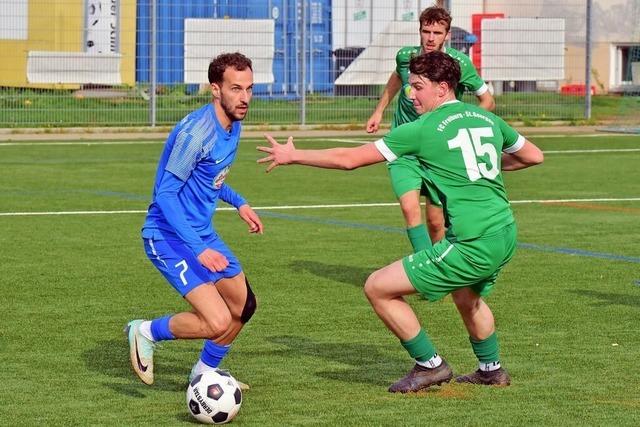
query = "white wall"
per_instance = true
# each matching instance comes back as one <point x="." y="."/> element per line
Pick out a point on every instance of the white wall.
<point x="14" y="20"/>
<point x="358" y="22"/>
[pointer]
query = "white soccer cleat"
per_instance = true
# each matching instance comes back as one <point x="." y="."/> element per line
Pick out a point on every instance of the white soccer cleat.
<point x="140" y="351"/>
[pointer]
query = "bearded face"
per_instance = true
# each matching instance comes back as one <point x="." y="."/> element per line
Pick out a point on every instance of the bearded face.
<point x="433" y="36"/>
<point x="234" y="94"/>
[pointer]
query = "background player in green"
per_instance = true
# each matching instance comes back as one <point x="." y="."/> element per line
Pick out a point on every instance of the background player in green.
<point x="460" y="145"/>
<point x="405" y="172"/>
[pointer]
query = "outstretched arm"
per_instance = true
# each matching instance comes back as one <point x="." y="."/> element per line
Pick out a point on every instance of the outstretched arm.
<point x="528" y="155"/>
<point x="390" y="90"/>
<point x="331" y="158"/>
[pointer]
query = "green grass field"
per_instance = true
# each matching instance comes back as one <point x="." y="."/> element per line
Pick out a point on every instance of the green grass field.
<point x="567" y="307"/>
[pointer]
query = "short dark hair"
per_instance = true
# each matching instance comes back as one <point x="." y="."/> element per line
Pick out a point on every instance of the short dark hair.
<point x="433" y="15"/>
<point x="224" y="61"/>
<point x="438" y="67"/>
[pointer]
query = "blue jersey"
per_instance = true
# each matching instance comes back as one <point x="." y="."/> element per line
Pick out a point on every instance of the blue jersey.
<point x="190" y="179"/>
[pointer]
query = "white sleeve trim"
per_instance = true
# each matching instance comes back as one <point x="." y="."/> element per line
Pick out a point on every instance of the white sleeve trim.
<point x="384" y="150"/>
<point x="515" y="147"/>
<point x="482" y="90"/>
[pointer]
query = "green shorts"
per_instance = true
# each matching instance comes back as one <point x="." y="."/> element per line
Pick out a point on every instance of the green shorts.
<point x="447" y="266"/>
<point x="407" y="174"/>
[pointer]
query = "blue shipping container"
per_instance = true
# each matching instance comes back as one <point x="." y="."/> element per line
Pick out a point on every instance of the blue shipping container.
<point x="287" y="61"/>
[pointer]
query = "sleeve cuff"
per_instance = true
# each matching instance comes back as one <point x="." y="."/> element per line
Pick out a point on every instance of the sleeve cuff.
<point x="482" y="90"/>
<point x="240" y="202"/>
<point x="515" y="147"/>
<point x="385" y="151"/>
<point x="198" y="249"/>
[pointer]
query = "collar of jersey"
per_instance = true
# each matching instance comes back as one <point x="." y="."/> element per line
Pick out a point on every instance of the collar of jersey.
<point x="453" y="101"/>
<point x="446" y="104"/>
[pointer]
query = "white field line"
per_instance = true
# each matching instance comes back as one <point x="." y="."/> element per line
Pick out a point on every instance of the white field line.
<point x="335" y="206"/>
<point x="146" y="142"/>
<point x="139" y="142"/>
<point x="351" y="141"/>
<point x="604" y="150"/>
<point x="588" y="135"/>
<point x="346" y="141"/>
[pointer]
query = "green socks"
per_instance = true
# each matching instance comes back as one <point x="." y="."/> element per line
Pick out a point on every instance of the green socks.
<point x="420" y="347"/>
<point x="486" y="350"/>
<point x="419" y="237"/>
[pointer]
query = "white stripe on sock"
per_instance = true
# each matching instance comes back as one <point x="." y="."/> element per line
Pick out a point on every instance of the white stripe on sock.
<point x="434" y="362"/>
<point x="491" y="366"/>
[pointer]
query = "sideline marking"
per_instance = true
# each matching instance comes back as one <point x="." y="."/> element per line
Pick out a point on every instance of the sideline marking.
<point x="591" y="135"/>
<point x="264" y="212"/>
<point x="554" y="201"/>
<point x="579" y="252"/>
<point x="607" y="150"/>
<point x="373" y="227"/>
<point x="577" y="135"/>
<point x="576" y="151"/>
<point x="136" y="211"/>
<point x="32" y="143"/>
<point x="349" y="141"/>
<point x="341" y="140"/>
<point x="595" y="207"/>
<point x="287" y="207"/>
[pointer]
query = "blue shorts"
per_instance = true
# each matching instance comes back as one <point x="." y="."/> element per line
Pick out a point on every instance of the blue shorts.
<point x="181" y="267"/>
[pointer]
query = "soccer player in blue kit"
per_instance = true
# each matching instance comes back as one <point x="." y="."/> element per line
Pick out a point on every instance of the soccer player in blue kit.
<point x="178" y="234"/>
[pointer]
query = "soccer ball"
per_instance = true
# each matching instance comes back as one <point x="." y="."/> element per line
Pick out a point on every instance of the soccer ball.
<point x="214" y="397"/>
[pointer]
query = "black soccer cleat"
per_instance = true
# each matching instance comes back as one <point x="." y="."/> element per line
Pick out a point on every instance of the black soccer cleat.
<point x="500" y="377"/>
<point x="420" y="378"/>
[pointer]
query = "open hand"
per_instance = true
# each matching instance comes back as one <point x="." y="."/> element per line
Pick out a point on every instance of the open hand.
<point x="277" y="154"/>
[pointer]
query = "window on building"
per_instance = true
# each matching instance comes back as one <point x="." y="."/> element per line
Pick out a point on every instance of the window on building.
<point x="628" y="60"/>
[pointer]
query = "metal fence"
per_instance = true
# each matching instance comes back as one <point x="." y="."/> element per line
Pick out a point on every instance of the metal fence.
<point x="316" y="62"/>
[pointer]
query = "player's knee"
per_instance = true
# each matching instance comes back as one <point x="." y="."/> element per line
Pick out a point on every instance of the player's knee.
<point x="371" y="287"/>
<point x="435" y="218"/>
<point x="435" y="223"/>
<point x="218" y="325"/>
<point x="250" y="305"/>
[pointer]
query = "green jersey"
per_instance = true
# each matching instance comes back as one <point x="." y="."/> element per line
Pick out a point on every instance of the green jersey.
<point x="460" y="146"/>
<point x="469" y="80"/>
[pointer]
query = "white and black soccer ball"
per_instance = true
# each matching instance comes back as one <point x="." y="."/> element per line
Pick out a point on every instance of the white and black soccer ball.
<point x="214" y="397"/>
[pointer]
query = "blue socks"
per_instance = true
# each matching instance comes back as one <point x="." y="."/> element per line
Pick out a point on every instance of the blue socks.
<point x="160" y="329"/>
<point x="212" y="353"/>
